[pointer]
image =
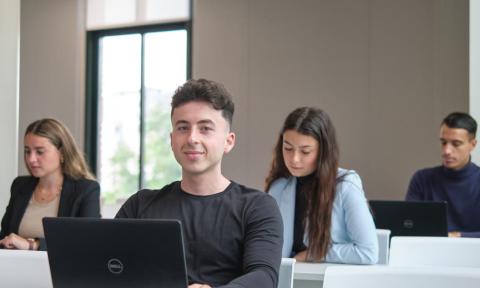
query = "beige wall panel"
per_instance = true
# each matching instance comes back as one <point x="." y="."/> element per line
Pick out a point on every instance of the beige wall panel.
<point x="311" y="54"/>
<point x="386" y="72"/>
<point x="220" y="52"/>
<point x="401" y="85"/>
<point x="52" y="65"/>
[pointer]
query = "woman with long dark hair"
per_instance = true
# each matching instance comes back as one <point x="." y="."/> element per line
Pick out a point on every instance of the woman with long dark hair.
<point x="324" y="209"/>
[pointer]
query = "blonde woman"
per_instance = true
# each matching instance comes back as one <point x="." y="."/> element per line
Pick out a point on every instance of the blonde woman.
<point x="59" y="184"/>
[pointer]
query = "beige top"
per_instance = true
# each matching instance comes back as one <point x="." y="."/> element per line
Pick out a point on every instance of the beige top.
<point x="31" y="224"/>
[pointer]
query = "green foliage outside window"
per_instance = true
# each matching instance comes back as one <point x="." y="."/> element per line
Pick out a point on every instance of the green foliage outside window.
<point x="160" y="166"/>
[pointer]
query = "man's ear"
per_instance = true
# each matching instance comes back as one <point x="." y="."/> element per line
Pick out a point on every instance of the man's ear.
<point x="229" y="142"/>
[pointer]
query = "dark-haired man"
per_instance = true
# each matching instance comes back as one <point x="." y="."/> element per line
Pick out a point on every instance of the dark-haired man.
<point x="233" y="234"/>
<point x="457" y="180"/>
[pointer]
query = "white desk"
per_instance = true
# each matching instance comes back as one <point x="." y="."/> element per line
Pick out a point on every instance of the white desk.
<point x="310" y="271"/>
<point x="24" y="269"/>
<point x="309" y="275"/>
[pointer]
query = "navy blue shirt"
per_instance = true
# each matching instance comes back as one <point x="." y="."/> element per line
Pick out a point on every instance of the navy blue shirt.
<point x="459" y="188"/>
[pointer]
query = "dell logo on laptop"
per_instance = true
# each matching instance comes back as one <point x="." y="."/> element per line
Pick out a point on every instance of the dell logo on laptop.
<point x="115" y="266"/>
<point x="408" y="223"/>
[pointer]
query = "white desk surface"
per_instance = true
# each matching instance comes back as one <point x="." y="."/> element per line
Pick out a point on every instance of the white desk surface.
<point x="310" y="271"/>
<point x="314" y="271"/>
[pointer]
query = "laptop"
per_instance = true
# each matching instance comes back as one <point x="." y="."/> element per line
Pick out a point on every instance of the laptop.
<point x="22" y="268"/>
<point x="87" y="252"/>
<point x="407" y="218"/>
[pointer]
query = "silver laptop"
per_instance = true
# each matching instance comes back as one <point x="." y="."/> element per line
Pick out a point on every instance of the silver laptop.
<point x="86" y="252"/>
<point x="21" y="269"/>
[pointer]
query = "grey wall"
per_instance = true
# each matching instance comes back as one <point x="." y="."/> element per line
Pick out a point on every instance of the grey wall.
<point x="387" y="72"/>
<point x="52" y="65"/>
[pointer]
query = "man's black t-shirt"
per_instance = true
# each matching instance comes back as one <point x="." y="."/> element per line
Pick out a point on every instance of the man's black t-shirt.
<point x="232" y="238"/>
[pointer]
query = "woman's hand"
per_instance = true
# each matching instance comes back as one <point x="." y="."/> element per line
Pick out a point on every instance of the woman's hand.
<point x="13" y="241"/>
<point x="454" y="234"/>
<point x="301" y="256"/>
<point x="199" y="286"/>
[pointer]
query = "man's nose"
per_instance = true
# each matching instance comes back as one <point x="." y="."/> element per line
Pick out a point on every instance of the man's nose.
<point x="193" y="136"/>
<point x="447" y="149"/>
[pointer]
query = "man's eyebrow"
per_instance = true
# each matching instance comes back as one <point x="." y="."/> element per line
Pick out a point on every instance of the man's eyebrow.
<point x="453" y="140"/>
<point x="181" y="122"/>
<point x="206" y="121"/>
<point x="201" y="122"/>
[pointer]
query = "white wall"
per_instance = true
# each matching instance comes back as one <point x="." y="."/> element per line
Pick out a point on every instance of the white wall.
<point x="475" y="68"/>
<point x="9" y="67"/>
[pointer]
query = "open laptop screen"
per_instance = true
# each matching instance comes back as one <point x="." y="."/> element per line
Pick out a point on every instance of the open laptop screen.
<point x="87" y="252"/>
<point x="408" y="218"/>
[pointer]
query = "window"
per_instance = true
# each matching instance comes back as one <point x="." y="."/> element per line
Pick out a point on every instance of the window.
<point x="132" y="75"/>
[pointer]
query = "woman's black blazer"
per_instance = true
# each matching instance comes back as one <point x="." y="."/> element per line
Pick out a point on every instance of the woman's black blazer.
<point x="79" y="198"/>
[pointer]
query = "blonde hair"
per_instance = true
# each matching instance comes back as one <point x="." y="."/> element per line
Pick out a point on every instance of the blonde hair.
<point x="72" y="160"/>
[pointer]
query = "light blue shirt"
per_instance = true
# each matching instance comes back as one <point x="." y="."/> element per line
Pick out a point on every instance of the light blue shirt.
<point x="353" y="234"/>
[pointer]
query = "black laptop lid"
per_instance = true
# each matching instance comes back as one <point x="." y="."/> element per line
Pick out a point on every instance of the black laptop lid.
<point x="86" y="252"/>
<point x="406" y="218"/>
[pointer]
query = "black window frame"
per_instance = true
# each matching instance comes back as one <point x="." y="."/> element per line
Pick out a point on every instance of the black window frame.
<point x="92" y="97"/>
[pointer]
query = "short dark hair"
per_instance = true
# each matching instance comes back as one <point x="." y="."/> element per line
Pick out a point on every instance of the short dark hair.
<point x="462" y="121"/>
<point x="208" y="91"/>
